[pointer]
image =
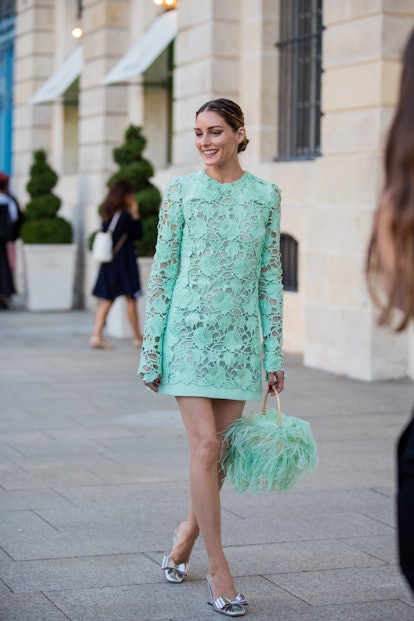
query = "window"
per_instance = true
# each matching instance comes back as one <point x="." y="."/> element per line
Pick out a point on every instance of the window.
<point x="289" y="257"/>
<point x="300" y="68"/>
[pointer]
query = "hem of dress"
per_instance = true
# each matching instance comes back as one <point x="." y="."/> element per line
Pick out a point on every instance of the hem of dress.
<point x="210" y="392"/>
<point x="135" y="296"/>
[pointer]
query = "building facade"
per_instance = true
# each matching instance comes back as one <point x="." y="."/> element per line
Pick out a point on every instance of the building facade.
<point x="317" y="80"/>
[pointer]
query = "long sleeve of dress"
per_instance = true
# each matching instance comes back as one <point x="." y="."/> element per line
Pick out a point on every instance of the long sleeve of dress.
<point x="271" y="291"/>
<point x="161" y="281"/>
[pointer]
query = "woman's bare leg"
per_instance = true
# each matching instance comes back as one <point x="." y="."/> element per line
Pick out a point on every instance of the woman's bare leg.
<point x="199" y="416"/>
<point x="187" y="533"/>
<point x="188" y="530"/>
<point x="132" y="313"/>
<point x="100" y="319"/>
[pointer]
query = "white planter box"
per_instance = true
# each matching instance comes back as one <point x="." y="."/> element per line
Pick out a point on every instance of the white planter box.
<point x="117" y="324"/>
<point x="50" y="276"/>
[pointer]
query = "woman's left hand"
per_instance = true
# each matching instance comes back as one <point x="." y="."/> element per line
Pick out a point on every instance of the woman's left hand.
<point x="133" y="210"/>
<point x="276" y="381"/>
<point x="153" y="385"/>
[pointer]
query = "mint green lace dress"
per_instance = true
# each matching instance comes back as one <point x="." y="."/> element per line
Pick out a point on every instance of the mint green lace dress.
<point x="215" y="288"/>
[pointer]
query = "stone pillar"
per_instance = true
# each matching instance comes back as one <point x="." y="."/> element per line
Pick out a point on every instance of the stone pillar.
<point x="34" y="62"/>
<point x="259" y="77"/>
<point x="210" y="29"/>
<point x="32" y="125"/>
<point x="362" y="46"/>
<point x="102" y="110"/>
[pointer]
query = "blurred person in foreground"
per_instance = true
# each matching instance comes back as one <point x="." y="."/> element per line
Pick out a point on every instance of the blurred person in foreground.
<point x="390" y="267"/>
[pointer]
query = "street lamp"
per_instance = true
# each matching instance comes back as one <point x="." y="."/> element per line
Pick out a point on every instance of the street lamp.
<point x="77" y="32"/>
<point x="167" y="4"/>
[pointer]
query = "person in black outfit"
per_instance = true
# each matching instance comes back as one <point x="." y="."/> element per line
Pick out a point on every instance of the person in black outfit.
<point x="405" y="501"/>
<point x="120" y="277"/>
<point x="10" y="220"/>
<point x="390" y="261"/>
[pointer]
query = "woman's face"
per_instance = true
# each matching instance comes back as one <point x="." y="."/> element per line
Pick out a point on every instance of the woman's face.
<point x="215" y="140"/>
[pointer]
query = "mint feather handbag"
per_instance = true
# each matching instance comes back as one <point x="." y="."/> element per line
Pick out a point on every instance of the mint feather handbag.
<point x="268" y="451"/>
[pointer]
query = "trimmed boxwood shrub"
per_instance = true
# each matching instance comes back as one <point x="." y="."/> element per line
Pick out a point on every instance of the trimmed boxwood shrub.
<point x="138" y="171"/>
<point x="41" y="224"/>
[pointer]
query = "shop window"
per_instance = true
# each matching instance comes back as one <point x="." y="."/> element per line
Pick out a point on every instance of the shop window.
<point x="300" y="69"/>
<point x="289" y="257"/>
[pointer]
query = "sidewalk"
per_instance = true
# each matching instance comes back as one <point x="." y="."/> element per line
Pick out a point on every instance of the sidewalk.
<point x="93" y="479"/>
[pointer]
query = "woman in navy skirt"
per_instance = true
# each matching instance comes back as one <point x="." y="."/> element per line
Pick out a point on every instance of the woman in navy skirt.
<point x="120" y="277"/>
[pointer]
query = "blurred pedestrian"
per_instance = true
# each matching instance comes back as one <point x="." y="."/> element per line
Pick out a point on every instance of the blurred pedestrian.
<point x="390" y="261"/>
<point x="120" y="277"/>
<point x="10" y="221"/>
<point x="216" y="271"/>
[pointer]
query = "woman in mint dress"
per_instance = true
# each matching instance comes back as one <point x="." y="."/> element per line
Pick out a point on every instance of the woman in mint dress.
<point x="214" y="305"/>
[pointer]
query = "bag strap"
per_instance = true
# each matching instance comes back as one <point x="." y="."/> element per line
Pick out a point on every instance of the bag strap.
<point x="278" y="405"/>
<point x="114" y="221"/>
<point x="119" y="243"/>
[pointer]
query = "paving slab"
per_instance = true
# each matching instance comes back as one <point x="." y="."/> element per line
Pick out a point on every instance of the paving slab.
<point x="359" y="584"/>
<point x="80" y="573"/>
<point x="159" y="602"/>
<point x="94" y="476"/>
<point x="29" y="607"/>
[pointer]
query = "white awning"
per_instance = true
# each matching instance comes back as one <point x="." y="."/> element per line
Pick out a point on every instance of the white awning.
<point x="63" y="77"/>
<point x="154" y="41"/>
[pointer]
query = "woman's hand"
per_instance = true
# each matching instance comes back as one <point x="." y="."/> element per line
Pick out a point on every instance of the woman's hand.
<point x="133" y="209"/>
<point x="276" y="381"/>
<point x="153" y="385"/>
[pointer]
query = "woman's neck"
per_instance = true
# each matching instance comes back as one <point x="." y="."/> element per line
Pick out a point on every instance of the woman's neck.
<point x="225" y="174"/>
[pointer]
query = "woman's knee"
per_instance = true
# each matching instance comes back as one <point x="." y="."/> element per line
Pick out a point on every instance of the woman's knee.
<point x="207" y="451"/>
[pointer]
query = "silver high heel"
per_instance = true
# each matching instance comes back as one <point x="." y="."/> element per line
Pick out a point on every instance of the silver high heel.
<point x="228" y="607"/>
<point x="173" y="572"/>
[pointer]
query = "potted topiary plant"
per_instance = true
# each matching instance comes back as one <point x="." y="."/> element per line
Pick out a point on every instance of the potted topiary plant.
<point x="133" y="167"/>
<point x="138" y="170"/>
<point x="49" y="253"/>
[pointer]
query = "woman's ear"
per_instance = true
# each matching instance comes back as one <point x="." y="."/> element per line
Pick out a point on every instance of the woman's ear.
<point x="241" y="135"/>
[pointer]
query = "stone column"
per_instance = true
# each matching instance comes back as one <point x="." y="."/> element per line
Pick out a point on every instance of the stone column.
<point x="259" y="77"/>
<point x="34" y="62"/>
<point x="210" y="30"/>
<point x="102" y="110"/>
<point x="32" y="125"/>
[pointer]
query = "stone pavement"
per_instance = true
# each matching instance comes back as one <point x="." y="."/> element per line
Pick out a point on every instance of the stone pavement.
<point x="93" y="478"/>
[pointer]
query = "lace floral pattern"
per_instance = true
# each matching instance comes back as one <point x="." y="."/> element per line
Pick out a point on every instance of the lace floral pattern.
<point x="215" y="279"/>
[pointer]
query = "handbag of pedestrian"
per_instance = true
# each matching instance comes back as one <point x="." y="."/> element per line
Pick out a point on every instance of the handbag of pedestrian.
<point x="102" y="247"/>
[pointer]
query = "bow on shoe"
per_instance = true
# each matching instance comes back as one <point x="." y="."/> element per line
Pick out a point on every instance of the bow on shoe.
<point x="174" y="573"/>
<point x="240" y="599"/>
<point x="228" y="607"/>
